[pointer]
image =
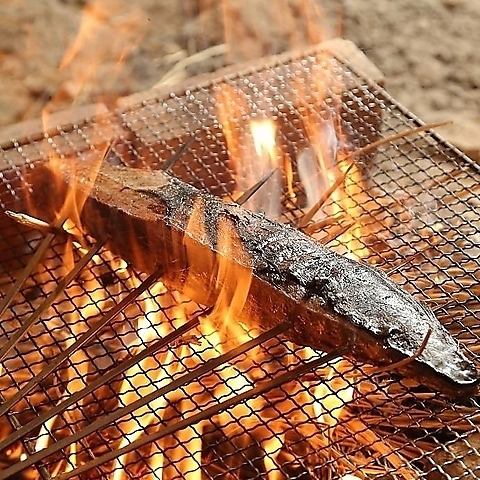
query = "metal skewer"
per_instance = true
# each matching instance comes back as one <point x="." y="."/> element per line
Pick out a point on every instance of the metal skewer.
<point x="305" y="220"/>
<point x="325" y="222"/>
<point x="168" y="165"/>
<point x="245" y="196"/>
<point x="407" y="260"/>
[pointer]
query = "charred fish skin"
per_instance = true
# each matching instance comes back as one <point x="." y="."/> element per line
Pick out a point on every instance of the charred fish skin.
<point x="332" y="301"/>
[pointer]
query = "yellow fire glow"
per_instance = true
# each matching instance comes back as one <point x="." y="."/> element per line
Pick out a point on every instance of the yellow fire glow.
<point x="264" y="133"/>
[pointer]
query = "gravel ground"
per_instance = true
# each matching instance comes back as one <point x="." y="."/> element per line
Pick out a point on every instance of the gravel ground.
<point x="427" y="49"/>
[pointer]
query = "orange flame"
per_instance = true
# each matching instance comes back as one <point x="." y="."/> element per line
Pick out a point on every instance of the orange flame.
<point x="233" y="281"/>
<point x="231" y="106"/>
<point x="333" y="394"/>
<point x="316" y="164"/>
<point x="230" y="282"/>
<point x="266" y="159"/>
<point x="181" y="454"/>
<point x="253" y="152"/>
<point x="321" y="164"/>
<point x="106" y="36"/>
<point x="78" y="368"/>
<point x="347" y="199"/>
<point x="272" y="447"/>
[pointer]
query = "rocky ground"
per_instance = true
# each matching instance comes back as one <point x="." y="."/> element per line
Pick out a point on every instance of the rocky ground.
<point x="428" y="49"/>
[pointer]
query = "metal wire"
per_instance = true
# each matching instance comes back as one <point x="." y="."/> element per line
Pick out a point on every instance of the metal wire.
<point x="416" y="195"/>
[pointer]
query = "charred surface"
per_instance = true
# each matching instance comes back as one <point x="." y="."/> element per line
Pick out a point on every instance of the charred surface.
<point x="331" y="301"/>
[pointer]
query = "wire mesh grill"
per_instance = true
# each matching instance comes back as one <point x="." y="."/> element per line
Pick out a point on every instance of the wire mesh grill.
<point x="414" y="201"/>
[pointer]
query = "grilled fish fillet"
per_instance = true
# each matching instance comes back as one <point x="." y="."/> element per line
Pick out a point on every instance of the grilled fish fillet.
<point x="331" y="301"/>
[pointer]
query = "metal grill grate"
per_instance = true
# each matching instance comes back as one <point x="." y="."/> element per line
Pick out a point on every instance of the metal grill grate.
<point x="417" y="196"/>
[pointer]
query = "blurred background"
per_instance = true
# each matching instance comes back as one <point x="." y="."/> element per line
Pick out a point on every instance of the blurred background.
<point x="59" y="53"/>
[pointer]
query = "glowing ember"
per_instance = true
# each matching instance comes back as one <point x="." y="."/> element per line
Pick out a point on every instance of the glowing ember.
<point x="272" y="448"/>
